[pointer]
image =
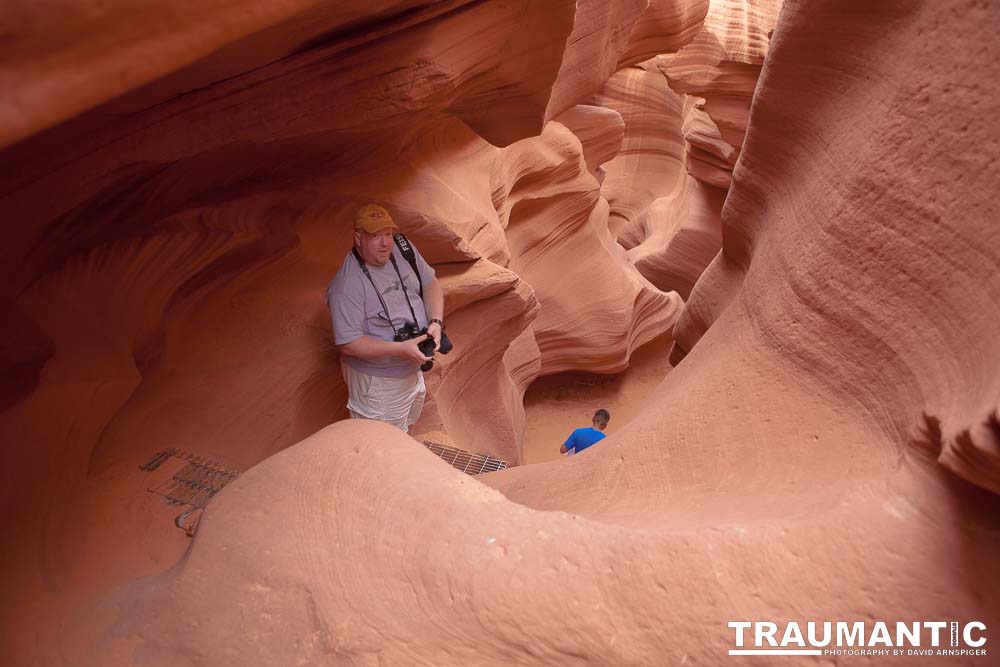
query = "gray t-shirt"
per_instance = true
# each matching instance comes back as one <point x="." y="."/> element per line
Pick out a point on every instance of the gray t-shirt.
<point x="356" y="310"/>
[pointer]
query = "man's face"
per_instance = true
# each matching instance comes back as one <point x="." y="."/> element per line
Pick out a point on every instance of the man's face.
<point x="374" y="248"/>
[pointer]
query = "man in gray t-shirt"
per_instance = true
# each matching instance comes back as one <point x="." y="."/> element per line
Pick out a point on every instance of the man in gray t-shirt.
<point x="383" y="375"/>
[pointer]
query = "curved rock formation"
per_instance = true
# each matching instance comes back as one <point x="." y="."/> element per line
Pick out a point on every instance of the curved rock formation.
<point x="722" y="62"/>
<point x="780" y="438"/>
<point x="422" y="50"/>
<point x="165" y="276"/>
<point x="685" y="117"/>
<point x="595" y="308"/>
<point x="664" y="27"/>
<point x="170" y="293"/>
<point x="651" y="162"/>
<point x="853" y="287"/>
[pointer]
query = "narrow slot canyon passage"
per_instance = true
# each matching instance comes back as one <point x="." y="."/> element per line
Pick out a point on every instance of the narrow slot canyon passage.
<point x="556" y="404"/>
<point x="761" y="234"/>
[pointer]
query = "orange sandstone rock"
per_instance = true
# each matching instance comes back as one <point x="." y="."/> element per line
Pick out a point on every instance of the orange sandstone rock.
<point x="769" y="477"/>
<point x="164" y="279"/>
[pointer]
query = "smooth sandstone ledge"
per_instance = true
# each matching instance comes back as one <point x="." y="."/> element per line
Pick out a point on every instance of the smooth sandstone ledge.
<point x="358" y="545"/>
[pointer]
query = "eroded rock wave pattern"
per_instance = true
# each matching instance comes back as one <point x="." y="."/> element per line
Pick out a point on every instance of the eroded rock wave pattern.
<point x="828" y="448"/>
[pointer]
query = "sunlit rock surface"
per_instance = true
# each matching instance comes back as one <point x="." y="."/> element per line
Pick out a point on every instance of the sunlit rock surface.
<point x="685" y="115"/>
<point x="824" y="450"/>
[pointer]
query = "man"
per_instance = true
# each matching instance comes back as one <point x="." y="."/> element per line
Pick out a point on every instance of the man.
<point x="374" y="298"/>
<point x="582" y="438"/>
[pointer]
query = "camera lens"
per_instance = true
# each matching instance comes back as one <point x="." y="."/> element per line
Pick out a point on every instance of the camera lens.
<point x="426" y="346"/>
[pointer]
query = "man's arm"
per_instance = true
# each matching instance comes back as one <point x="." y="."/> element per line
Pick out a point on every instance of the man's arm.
<point x="369" y="348"/>
<point x="434" y="303"/>
<point x="569" y="444"/>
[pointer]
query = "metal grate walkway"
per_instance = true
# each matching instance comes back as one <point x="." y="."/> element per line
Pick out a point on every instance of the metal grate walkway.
<point x="471" y="463"/>
<point x="193" y="483"/>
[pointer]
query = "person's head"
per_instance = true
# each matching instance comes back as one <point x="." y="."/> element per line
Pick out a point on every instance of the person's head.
<point x="601" y="419"/>
<point x="373" y="230"/>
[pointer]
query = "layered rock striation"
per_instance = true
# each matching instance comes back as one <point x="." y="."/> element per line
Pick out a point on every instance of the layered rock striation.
<point x="825" y="448"/>
<point x="685" y="113"/>
<point x="182" y="202"/>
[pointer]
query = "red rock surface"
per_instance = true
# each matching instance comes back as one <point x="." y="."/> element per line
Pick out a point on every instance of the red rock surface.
<point x="664" y="27"/>
<point x="164" y="279"/>
<point x="685" y="115"/>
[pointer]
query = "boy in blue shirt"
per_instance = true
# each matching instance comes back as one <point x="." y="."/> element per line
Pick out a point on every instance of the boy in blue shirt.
<point x="582" y="438"/>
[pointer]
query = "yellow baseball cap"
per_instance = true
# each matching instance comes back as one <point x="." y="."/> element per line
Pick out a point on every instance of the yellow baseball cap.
<point x="372" y="218"/>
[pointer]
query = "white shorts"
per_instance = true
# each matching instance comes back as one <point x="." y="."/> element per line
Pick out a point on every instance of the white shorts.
<point x="396" y="401"/>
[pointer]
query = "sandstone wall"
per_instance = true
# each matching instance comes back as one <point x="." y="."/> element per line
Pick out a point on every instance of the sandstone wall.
<point x="180" y="197"/>
<point x="164" y="285"/>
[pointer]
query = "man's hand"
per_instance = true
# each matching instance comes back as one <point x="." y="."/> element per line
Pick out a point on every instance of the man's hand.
<point x="409" y="350"/>
<point x="434" y="331"/>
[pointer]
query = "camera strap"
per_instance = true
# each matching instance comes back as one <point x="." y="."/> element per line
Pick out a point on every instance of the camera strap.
<point x="406" y="250"/>
<point x="385" y="308"/>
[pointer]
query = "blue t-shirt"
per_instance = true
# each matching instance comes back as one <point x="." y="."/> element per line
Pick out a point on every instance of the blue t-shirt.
<point x="582" y="438"/>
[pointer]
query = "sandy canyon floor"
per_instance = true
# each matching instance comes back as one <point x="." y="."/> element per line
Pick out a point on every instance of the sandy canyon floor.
<point x="556" y="404"/>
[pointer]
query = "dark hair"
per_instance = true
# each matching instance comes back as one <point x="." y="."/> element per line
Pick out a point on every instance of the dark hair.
<point x="602" y="415"/>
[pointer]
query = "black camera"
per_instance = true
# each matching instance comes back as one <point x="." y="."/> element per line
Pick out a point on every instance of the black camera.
<point x="426" y="346"/>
